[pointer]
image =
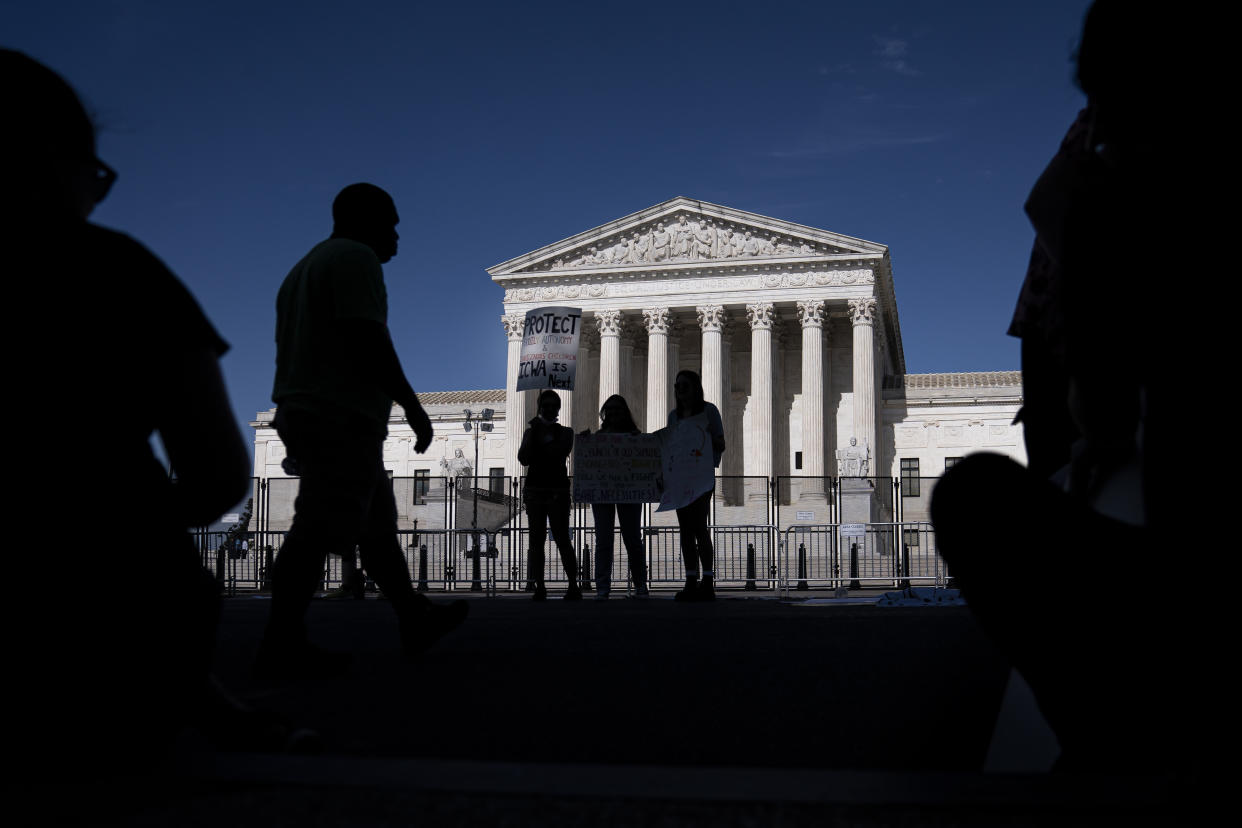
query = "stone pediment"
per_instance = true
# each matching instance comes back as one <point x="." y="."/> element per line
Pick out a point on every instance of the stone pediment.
<point x="682" y="232"/>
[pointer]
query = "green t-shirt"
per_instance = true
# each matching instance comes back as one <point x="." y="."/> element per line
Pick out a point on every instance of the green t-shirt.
<point x="338" y="279"/>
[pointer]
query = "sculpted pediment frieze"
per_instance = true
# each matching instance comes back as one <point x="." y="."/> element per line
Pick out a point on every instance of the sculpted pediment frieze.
<point x="684" y="232"/>
<point x="687" y="237"/>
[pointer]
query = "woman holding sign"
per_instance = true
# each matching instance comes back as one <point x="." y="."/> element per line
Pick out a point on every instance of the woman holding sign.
<point x="615" y="418"/>
<point x="545" y="447"/>
<point x="696" y="538"/>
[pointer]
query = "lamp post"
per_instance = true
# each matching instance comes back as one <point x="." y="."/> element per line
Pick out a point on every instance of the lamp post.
<point x="484" y="422"/>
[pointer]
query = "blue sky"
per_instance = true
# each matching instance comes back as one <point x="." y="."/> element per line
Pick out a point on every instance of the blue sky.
<point x="499" y="128"/>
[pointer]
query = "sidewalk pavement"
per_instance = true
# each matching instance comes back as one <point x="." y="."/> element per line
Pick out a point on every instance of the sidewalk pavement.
<point x="746" y="711"/>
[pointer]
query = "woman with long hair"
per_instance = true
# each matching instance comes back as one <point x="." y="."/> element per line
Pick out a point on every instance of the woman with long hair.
<point x="615" y="418"/>
<point x="696" y="538"/>
<point x="545" y="447"/>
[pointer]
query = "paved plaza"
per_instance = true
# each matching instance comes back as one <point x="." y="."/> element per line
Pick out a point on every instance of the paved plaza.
<point x="748" y="711"/>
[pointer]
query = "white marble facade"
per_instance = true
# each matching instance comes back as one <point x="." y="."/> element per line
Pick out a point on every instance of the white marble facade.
<point x="793" y="329"/>
<point x="447" y="412"/>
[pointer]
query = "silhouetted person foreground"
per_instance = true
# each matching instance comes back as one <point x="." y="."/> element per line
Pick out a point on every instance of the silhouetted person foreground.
<point x="337" y="376"/>
<point x="1078" y="564"/>
<point x="546" y="446"/>
<point x="696" y="537"/>
<point x="615" y="418"/>
<point x="112" y="621"/>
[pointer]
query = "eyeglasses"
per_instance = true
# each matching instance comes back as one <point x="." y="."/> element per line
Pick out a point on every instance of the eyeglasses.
<point x="104" y="178"/>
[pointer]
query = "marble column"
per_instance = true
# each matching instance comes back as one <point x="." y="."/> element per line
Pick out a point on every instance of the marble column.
<point x="711" y="321"/>
<point x="656" y="321"/>
<point x="761" y="316"/>
<point x="862" y="315"/>
<point x="515" y="400"/>
<point x="811" y="315"/>
<point x="608" y="323"/>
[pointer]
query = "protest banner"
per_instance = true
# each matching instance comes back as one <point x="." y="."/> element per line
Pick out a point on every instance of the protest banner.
<point x="550" y="349"/>
<point x="687" y="464"/>
<point x="616" y="468"/>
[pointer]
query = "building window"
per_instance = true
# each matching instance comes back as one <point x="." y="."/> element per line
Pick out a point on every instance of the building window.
<point x="950" y="462"/>
<point x="910" y="539"/>
<point x="422" y="484"/>
<point x="909" y="477"/>
<point x="496" y="479"/>
<point x="797" y="459"/>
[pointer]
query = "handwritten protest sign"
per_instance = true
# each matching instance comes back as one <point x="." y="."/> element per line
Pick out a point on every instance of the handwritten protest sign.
<point x="616" y="468"/>
<point x="550" y="349"/>
<point x="688" y="465"/>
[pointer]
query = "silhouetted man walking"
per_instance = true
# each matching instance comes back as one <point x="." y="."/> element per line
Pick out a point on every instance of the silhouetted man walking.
<point x="337" y="376"/>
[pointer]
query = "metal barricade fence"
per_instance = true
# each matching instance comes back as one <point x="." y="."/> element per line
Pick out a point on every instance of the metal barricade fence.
<point x="749" y="550"/>
<point x="886" y="554"/>
<point x="236" y="565"/>
<point x="742" y="556"/>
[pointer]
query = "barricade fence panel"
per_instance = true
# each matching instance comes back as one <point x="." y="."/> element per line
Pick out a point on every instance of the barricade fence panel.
<point x="751" y="520"/>
<point x="915" y="499"/>
<point x="855" y="556"/>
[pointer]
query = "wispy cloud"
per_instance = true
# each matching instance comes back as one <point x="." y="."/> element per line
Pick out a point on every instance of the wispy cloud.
<point x="838" y="69"/>
<point x="848" y="143"/>
<point x="892" y="54"/>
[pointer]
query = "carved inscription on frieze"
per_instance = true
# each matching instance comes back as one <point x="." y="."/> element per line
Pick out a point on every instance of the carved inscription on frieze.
<point x="656" y="287"/>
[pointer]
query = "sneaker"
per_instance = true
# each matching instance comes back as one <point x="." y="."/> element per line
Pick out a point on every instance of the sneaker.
<point x="299" y="661"/>
<point x="690" y="592"/>
<point x="230" y="724"/>
<point x="641" y="594"/>
<point x="706" y="591"/>
<point x="428" y="627"/>
<point x="601" y="596"/>
<point x="574" y="593"/>
<point x="541" y="593"/>
<point x="343" y="594"/>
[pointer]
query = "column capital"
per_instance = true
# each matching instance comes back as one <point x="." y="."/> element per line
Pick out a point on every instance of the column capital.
<point x="608" y="322"/>
<point x="711" y="317"/>
<point x="811" y="313"/>
<point x="514" y="324"/>
<point x="761" y="315"/>
<point x="656" y="320"/>
<point x="862" y="311"/>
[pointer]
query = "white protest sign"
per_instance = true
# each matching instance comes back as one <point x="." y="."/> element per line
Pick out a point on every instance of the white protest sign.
<point x="616" y="468"/>
<point x="550" y="349"/>
<point x="688" y="465"/>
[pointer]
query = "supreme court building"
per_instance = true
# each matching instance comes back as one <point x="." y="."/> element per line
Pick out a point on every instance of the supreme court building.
<point x="793" y="329"/>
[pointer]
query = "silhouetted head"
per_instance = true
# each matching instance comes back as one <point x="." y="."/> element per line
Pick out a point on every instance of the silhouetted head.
<point x="365" y="213"/>
<point x="47" y="146"/>
<point x="688" y="390"/>
<point x="1138" y="63"/>
<point x="614" y="415"/>
<point x="549" y="405"/>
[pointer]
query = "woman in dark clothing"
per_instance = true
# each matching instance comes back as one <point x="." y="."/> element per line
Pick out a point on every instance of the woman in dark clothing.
<point x="545" y="447"/>
<point x="107" y="681"/>
<point x="615" y="418"/>
<point x="696" y="538"/>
